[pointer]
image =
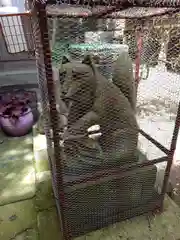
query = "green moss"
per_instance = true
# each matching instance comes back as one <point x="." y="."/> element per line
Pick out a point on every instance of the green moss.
<point x="30" y="234"/>
<point x="49" y="226"/>
<point x="16" y="218"/>
<point x="44" y="192"/>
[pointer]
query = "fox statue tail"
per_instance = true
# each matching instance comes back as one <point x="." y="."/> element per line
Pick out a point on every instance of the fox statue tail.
<point x="123" y="77"/>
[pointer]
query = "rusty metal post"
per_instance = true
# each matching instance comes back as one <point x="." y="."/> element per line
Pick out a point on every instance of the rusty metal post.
<point x="171" y="153"/>
<point x="40" y="8"/>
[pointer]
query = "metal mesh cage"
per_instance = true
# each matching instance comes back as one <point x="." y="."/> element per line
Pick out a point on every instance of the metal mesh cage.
<point x="98" y="67"/>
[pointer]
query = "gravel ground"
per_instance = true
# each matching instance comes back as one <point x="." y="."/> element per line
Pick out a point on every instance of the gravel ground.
<point x="158" y="98"/>
<point x="157" y="105"/>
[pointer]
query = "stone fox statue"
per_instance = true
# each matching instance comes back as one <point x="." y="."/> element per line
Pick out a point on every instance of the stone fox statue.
<point x="103" y="103"/>
<point x="123" y="77"/>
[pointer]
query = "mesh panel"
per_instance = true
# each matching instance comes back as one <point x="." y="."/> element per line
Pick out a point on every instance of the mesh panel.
<point x="98" y="79"/>
<point x="44" y="106"/>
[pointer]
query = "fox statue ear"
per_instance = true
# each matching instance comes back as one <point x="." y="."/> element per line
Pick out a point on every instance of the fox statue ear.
<point x="65" y="59"/>
<point x="88" y="60"/>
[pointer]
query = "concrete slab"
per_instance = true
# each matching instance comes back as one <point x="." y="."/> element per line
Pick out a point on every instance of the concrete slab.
<point x="44" y="193"/>
<point x="12" y="67"/>
<point x="41" y="160"/>
<point x="159" y="227"/>
<point x="40" y="152"/>
<point x="17" y="181"/>
<point x="48" y="225"/>
<point x="12" y="148"/>
<point x="18" y="72"/>
<point x="30" y="234"/>
<point x="26" y="77"/>
<point x="16" y="218"/>
<point x="17" y="174"/>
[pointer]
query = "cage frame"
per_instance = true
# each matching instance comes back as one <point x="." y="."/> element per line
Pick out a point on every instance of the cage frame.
<point x="39" y="11"/>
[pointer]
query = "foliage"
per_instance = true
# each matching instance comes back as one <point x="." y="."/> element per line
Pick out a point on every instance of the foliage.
<point x="14" y="105"/>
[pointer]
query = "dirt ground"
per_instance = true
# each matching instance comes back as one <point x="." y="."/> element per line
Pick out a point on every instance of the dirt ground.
<point x="157" y="104"/>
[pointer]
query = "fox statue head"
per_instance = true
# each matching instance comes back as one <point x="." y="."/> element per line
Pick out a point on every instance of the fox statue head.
<point x="78" y="83"/>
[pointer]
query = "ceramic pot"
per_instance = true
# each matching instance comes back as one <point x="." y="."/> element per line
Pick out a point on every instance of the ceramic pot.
<point x="17" y="127"/>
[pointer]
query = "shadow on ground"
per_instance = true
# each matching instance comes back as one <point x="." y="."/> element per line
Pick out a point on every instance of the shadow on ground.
<point x="17" y="174"/>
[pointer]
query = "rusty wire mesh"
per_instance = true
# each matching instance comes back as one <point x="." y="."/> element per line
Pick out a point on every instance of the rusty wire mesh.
<point x="77" y="92"/>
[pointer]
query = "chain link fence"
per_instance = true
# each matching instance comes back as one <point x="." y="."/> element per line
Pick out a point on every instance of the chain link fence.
<point x="106" y="153"/>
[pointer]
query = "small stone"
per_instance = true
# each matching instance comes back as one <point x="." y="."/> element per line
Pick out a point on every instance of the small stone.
<point x="13" y="217"/>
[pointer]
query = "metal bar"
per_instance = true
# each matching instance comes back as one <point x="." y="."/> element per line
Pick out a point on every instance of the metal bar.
<point x="171" y="152"/>
<point x="19" y="60"/>
<point x="15" y="14"/>
<point x="27" y="28"/>
<point x="43" y="26"/>
<point x="132" y="3"/>
<point x="113" y="172"/>
<point x="98" y="16"/>
<point x="111" y="11"/>
<point x="157" y="3"/>
<point x="156" y="143"/>
<point x="138" y="55"/>
<point x="147" y="17"/>
<point x="97" y="13"/>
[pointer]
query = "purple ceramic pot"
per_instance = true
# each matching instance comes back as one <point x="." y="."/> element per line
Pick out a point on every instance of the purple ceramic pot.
<point x="17" y="127"/>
